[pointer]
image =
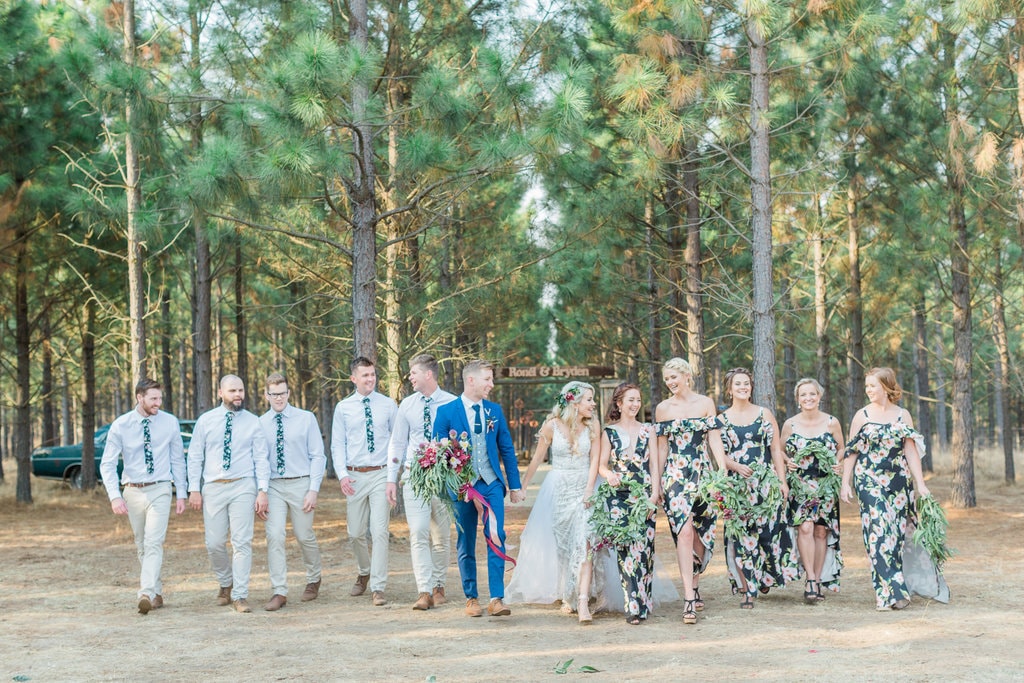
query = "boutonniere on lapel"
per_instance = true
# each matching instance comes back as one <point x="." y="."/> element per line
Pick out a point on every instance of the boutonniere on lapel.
<point x="490" y="421"/>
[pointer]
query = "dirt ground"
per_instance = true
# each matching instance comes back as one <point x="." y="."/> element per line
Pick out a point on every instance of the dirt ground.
<point x="68" y="577"/>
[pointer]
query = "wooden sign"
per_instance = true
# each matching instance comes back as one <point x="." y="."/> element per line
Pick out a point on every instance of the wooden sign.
<point x="556" y="372"/>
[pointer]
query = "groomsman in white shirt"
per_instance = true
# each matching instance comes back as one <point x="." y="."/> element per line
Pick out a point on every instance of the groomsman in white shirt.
<point x="430" y="524"/>
<point x="228" y="457"/>
<point x="297" y="464"/>
<point x="359" y="446"/>
<point x="149" y="442"/>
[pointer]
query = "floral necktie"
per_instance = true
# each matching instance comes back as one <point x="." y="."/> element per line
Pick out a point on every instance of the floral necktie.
<point x="478" y="425"/>
<point x="280" y="443"/>
<point x="227" y="441"/>
<point x="147" y="445"/>
<point x="369" y="424"/>
<point x="426" y="417"/>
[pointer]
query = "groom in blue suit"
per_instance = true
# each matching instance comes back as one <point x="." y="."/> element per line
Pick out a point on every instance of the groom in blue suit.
<point x="492" y="448"/>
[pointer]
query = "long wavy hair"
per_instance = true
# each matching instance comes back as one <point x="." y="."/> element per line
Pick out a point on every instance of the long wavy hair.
<point x="614" y="413"/>
<point x="567" y="409"/>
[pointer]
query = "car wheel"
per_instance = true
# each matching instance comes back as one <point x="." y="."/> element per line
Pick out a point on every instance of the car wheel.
<point x="74" y="479"/>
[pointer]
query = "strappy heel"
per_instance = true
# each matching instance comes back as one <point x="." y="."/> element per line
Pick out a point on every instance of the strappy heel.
<point x="810" y="592"/>
<point x="633" y="619"/>
<point x="698" y="604"/>
<point x="748" y="600"/>
<point x="820" y="597"/>
<point x="689" y="612"/>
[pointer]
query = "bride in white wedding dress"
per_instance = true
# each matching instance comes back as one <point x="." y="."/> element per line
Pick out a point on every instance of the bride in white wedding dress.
<point x="554" y="560"/>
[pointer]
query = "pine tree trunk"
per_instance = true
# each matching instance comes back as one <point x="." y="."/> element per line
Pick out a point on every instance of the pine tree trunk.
<point x="653" y="327"/>
<point x="48" y="435"/>
<point x="89" y="396"/>
<point x="1003" y="369"/>
<point x="822" y="350"/>
<point x="921" y="388"/>
<point x="963" y="493"/>
<point x="761" y="221"/>
<point x="202" y="309"/>
<point x="23" y="372"/>
<point x="694" y="276"/>
<point x="941" y="392"/>
<point x="362" y="197"/>
<point x="393" y="253"/>
<point x="133" y="192"/>
<point x="241" y="327"/>
<point x="67" y="424"/>
<point x="166" y="379"/>
<point x="855" y="306"/>
<point x="789" y="369"/>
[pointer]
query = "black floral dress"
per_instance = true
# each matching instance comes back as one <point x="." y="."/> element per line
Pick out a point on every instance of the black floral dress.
<point x="686" y="464"/>
<point x="763" y="551"/>
<point x="886" y="497"/>
<point x="806" y="505"/>
<point x="636" y="560"/>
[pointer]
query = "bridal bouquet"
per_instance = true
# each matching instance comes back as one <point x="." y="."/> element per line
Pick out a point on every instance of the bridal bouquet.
<point x="618" y="525"/>
<point x="737" y="502"/>
<point x="442" y="469"/>
<point x="811" y="495"/>
<point x="931" y="530"/>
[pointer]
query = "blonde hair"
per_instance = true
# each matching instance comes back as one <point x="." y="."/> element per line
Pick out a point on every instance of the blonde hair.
<point x="887" y="378"/>
<point x="567" y="410"/>
<point x="808" y="380"/>
<point x="679" y="365"/>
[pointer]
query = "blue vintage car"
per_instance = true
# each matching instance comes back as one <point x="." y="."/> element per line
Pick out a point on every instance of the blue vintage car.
<point x="64" y="463"/>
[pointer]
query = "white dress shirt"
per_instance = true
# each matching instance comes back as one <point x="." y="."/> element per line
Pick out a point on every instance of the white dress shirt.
<point x="125" y="438"/>
<point x="348" y="436"/>
<point x="408" y="432"/>
<point x="249" y="456"/>
<point x="303" y="445"/>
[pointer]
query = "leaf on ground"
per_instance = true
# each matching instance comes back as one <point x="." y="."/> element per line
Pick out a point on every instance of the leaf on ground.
<point x="589" y="670"/>
<point x="563" y="667"/>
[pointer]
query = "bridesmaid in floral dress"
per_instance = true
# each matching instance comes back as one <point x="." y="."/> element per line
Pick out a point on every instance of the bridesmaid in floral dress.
<point x="761" y="556"/>
<point x="625" y="450"/>
<point x="687" y="426"/>
<point x="883" y="456"/>
<point x="815" y="517"/>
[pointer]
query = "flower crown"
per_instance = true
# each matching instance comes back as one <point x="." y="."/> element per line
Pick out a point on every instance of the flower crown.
<point x="564" y="399"/>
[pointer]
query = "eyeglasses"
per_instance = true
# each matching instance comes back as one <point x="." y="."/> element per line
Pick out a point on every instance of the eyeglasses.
<point x="277" y="394"/>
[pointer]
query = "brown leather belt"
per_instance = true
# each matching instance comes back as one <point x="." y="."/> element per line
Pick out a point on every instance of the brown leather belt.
<point x="372" y="468"/>
<point x="143" y="484"/>
<point x="224" y="481"/>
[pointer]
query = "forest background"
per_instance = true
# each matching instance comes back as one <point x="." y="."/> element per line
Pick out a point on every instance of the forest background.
<point x="194" y="187"/>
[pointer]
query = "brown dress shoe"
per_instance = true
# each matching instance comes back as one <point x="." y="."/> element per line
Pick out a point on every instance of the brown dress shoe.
<point x="242" y="605"/>
<point x="158" y="602"/>
<point x="473" y="608"/>
<point x="438" y="596"/>
<point x="424" y="602"/>
<point x="311" y="592"/>
<point x="224" y="596"/>
<point x="496" y="608"/>
<point x="275" y="603"/>
<point x="360" y="585"/>
<point x="378" y="599"/>
<point x="145" y="605"/>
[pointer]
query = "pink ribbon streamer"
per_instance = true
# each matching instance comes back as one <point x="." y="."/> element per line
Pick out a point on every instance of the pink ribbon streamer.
<point x="488" y="520"/>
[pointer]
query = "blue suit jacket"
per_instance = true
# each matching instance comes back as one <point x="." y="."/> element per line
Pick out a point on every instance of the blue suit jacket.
<point x="500" y="449"/>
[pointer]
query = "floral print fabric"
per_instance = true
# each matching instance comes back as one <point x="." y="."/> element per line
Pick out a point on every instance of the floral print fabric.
<point x="764" y="551"/>
<point x="885" y="495"/>
<point x="686" y="464"/>
<point x="636" y="560"/>
<point x="822" y="511"/>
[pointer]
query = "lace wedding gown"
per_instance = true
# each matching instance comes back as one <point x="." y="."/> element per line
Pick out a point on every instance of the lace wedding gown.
<point x="554" y="543"/>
